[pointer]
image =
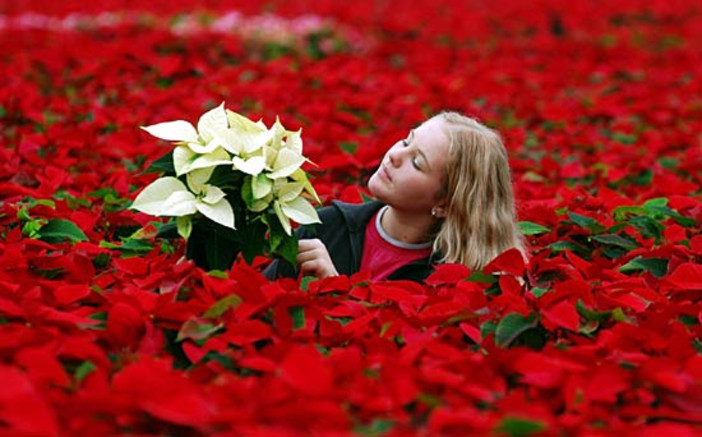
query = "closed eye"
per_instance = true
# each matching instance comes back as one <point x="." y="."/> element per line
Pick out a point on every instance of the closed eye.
<point x="415" y="163"/>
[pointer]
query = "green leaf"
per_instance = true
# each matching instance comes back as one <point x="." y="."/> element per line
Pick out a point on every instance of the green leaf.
<point x="305" y="282"/>
<point x="586" y="222"/>
<point x="349" y="146"/>
<point x="429" y="400"/>
<point x="83" y="370"/>
<point x="222" y="305"/>
<point x="562" y="245"/>
<point x="197" y="329"/>
<point x="163" y="164"/>
<point x="288" y="248"/>
<point x="298" y="317"/>
<point x="615" y="240"/>
<point x="657" y="266"/>
<point x="538" y="291"/>
<point x="647" y="226"/>
<point x="530" y="228"/>
<point x="518" y="426"/>
<point x="487" y="328"/>
<point x="597" y="316"/>
<point x="377" y="428"/>
<point x="511" y="326"/>
<point x="185" y="226"/>
<point x="657" y="202"/>
<point x="622" y="212"/>
<point x="482" y="278"/>
<point x="57" y="230"/>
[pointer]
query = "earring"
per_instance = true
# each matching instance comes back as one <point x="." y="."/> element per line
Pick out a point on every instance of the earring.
<point x="433" y="212"/>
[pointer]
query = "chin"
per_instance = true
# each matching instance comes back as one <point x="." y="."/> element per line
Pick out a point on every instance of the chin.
<point x="373" y="187"/>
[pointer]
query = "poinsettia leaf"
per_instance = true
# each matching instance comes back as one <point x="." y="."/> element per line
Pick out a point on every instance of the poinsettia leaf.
<point x="84" y="369"/>
<point x="197" y="329"/>
<point x="530" y="228"/>
<point x="511" y="326"/>
<point x="56" y="230"/>
<point x="586" y="222"/>
<point x="164" y="164"/>
<point x="657" y="266"/>
<point x="185" y="226"/>
<point x="615" y="240"/>
<point x="222" y="305"/>
<point x="519" y="426"/>
<point x="297" y="313"/>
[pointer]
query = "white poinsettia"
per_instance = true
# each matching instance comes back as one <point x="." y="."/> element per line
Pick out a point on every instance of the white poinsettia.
<point x="198" y="148"/>
<point x="205" y="139"/>
<point x="170" y="197"/>
<point x="284" y="155"/>
<point x="185" y="160"/>
<point x="290" y="205"/>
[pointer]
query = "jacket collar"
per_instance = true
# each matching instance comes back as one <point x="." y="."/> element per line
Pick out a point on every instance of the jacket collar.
<point x="357" y="215"/>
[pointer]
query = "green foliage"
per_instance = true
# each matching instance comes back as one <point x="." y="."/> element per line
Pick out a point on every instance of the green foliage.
<point x="512" y="326"/>
<point x="297" y="313"/>
<point x="529" y="228"/>
<point x="518" y="426"/>
<point x="57" y="230"/>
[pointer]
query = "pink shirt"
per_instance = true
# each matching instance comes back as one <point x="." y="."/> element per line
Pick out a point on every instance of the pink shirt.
<point x="382" y="254"/>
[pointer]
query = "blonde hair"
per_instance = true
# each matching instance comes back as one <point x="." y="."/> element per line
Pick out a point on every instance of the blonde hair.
<point x="480" y="220"/>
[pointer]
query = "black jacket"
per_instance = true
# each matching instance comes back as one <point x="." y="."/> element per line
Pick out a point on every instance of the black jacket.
<point x="342" y="231"/>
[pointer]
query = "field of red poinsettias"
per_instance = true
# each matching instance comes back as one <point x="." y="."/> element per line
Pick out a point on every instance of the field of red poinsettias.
<point x="103" y="331"/>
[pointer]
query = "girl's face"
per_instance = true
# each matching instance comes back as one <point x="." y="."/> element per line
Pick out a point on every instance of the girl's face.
<point x="412" y="173"/>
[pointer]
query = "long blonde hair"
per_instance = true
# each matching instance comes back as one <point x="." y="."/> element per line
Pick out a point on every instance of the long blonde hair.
<point x="480" y="220"/>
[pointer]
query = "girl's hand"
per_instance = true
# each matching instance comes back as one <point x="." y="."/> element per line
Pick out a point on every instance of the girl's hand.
<point x="313" y="259"/>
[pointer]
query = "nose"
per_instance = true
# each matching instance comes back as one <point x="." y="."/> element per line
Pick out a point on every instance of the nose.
<point x="395" y="156"/>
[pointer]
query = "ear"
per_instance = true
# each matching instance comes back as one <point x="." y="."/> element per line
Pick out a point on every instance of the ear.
<point x="439" y="212"/>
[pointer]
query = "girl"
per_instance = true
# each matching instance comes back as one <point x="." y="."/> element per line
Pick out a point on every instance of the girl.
<point x="444" y="195"/>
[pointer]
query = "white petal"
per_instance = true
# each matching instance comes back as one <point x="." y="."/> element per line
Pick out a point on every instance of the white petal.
<point x="182" y="159"/>
<point x="213" y="194"/>
<point x="255" y="141"/>
<point x="198" y="178"/>
<point x="229" y="139"/>
<point x="286" y="163"/>
<point x="180" y="203"/>
<point x="239" y="123"/>
<point x="301" y="211"/>
<point x="300" y="176"/>
<point x="278" y="133"/>
<point x="218" y="157"/>
<point x="290" y="191"/>
<point x="252" y="166"/>
<point x="179" y="130"/>
<point x="152" y="200"/>
<point x="213" y="120"/>
<point x="208" y="147"/>
<point x="293" y="141"/>
<point x="221" y="212"/>
<point x="282" y="218"/>
<point x="261" y="186"/>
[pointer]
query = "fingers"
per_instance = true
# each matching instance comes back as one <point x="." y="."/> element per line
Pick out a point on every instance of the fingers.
<point x="313" y="258"/>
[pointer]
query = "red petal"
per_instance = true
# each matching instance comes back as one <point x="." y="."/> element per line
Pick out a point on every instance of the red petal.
<point x="563" y="314"/>
<point x="304" y="369"/>
<point x="66" y="294"/>
<point x="687" y="276"/>
<point x="510" y="261"/>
